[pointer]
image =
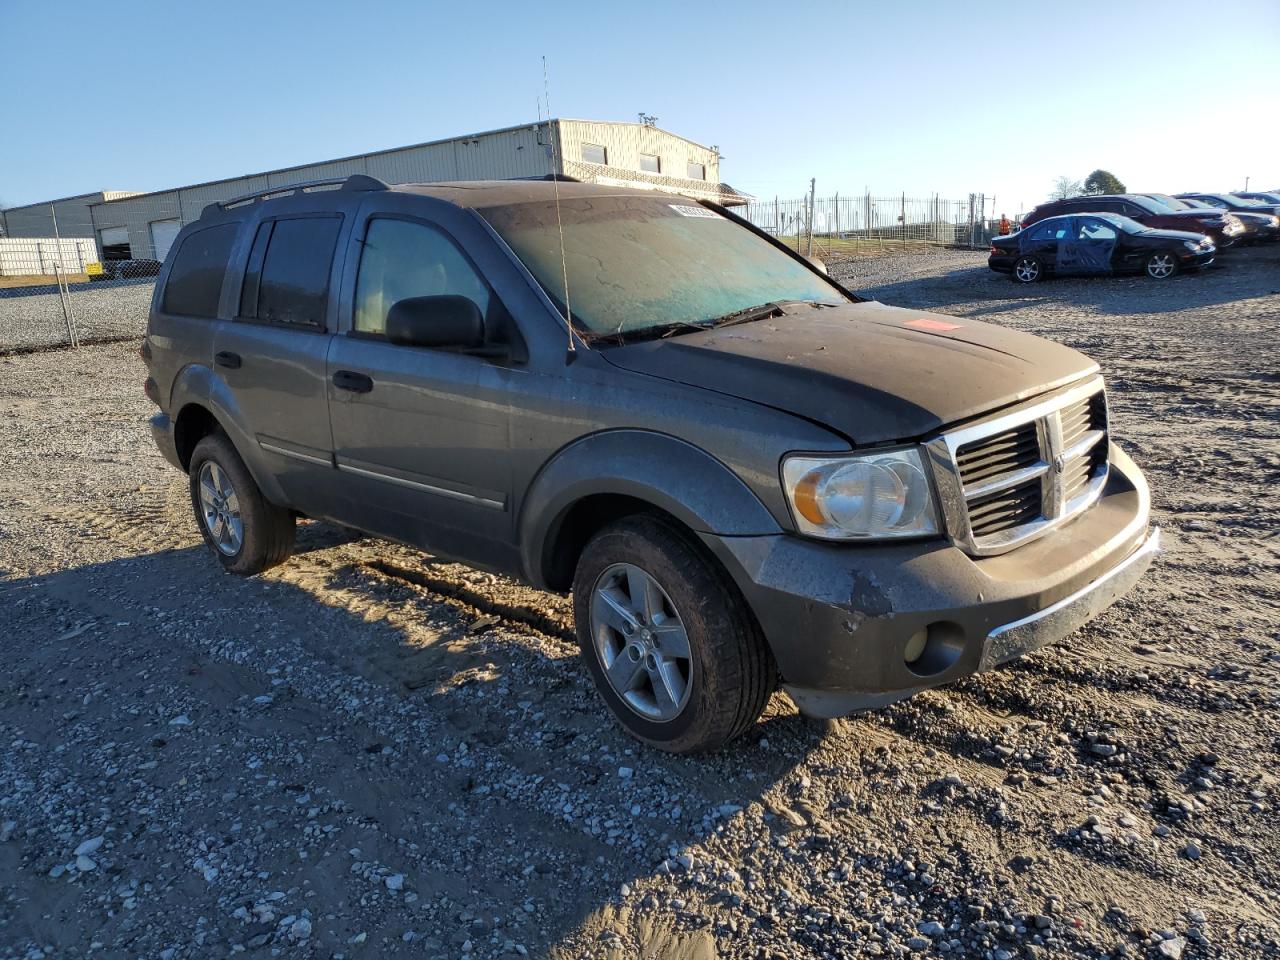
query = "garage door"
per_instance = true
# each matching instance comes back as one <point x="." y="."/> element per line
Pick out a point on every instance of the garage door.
<point x="162" y="235"/>
<point x="115" y="243"/>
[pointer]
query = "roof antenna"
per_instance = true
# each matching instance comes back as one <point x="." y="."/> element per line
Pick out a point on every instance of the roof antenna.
<point x="555" y="180"/>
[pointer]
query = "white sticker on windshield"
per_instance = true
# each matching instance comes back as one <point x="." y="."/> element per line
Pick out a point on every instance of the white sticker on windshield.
<point x="691" y="211"/>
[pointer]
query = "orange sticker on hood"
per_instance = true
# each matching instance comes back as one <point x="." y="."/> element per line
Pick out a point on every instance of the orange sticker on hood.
<point x="928" y="323"/>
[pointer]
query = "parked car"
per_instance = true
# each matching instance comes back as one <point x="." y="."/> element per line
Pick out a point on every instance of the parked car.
<point x="1265" y="196"/>
<point x="1268" y="227"/>
<point x="1257" y="227"/>
<point x="127" y="269"/>
<point x="1220" y="227"/>
<point x="742" y="471"/>
<point x="1093" y="244"/>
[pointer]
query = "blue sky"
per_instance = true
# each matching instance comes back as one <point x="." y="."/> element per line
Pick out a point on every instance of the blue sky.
<point x="914" y="97"/>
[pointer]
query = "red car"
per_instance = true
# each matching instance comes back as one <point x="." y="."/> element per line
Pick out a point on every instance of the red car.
<point x="1219" y="225"/>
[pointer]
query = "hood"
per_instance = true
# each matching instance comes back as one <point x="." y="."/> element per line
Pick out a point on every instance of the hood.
<point x="870" y="372"/>
<point x="1195" y="214"/>
<point x="1166" y="234"/>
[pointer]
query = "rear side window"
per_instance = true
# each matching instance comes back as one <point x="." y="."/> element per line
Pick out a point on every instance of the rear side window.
<point x="195" y="280"/>
<point x="1050" y="230"/>
<point x="287" y="280"/>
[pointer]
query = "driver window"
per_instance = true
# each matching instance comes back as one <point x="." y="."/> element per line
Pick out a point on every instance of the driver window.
<point x="1096" y="230"/>
<point x="401" y="259"/>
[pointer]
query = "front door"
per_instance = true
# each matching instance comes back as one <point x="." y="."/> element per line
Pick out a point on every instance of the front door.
<point x="1095" y="244"/>
<point x="273" y="354"/>
<point x="421" y="436"/>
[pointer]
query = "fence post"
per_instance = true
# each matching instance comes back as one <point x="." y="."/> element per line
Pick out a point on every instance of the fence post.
<point x="64" y="288"/>
<point x="812" y="182"/>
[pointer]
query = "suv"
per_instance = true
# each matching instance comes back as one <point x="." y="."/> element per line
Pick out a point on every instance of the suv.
<point x="743" y="472"/>
<point x="1219" y="226"/>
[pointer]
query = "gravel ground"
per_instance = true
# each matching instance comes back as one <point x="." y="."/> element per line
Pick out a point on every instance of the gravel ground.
<point x="102" y="311"/>
<point x="365" y="753"/>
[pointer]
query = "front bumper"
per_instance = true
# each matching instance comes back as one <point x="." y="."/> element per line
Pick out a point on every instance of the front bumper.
<point x="838" y="617"/>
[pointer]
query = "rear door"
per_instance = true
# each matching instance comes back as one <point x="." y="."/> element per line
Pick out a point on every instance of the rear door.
<point x="1043" y="241"/>
<point x="272" y="355"/>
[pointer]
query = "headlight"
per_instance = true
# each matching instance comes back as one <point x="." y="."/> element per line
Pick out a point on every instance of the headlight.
<point x="1191" y="244"/>
<point x="869" y="496"/>
<point x="1275" y="221"/>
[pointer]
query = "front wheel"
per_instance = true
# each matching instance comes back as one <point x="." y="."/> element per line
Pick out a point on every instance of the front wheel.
<point x="1027" y="270"/>
<point x="1162" y="265"/>
<point x="671" y="644"/>
<point x="246" y="533"/>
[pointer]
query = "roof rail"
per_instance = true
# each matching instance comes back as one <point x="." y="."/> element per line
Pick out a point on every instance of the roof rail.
<point x="356" y="181"/>
<point x="562" y="177"/>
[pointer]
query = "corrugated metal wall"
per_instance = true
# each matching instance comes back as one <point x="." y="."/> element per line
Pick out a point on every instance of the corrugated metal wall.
<point x="492" y="156"/>
<point x="523" y="151"/>
<point x="626" y="141"/>
<point x="74" y="218"/>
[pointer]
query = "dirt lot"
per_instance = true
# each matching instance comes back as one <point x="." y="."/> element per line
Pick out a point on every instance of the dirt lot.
<point x="368" y="754"/>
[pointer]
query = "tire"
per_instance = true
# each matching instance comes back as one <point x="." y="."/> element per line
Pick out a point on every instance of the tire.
<point x="1161" y="265"/>
<point x="245" y="532"/>
<point x="716" y="692"/>
<point x="1028" y="270"/>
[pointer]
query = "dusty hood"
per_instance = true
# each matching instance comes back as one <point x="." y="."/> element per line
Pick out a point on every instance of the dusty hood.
<point x="871" y="372"/>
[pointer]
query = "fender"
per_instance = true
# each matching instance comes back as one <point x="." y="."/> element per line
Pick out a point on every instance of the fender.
<point x="198" y="384"/>
<point x="671" y="474"/>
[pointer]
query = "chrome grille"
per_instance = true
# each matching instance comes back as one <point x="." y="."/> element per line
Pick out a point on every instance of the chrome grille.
<point x="1012" y="478"/>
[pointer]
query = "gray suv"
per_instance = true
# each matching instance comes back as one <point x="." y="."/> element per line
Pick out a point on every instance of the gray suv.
<point x="745" y="474"/>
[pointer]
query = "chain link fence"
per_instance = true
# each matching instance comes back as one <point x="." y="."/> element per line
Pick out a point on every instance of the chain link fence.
<point x="73" y="285"/>
<point x="844" y="226"/>
<point x="92" y="282"/>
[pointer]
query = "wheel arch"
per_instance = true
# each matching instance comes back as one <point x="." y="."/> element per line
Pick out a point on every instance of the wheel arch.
<point x="606" y="476"/>
<point x="201" y="402"/>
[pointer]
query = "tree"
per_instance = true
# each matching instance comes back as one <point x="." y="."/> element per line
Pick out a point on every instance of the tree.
<point x="1065" y="187"/>
<point x="1102" y="181"/>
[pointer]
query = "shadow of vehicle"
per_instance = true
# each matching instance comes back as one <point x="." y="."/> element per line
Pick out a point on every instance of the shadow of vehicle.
<point x="465" y="754"/>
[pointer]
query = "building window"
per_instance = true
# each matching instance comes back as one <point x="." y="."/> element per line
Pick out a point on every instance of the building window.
<point x="650" y="163"/>
<point x="697" y="171"/>
<point x="594" y="153"/>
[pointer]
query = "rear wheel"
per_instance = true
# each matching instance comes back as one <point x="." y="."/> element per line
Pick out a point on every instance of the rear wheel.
<point x="246" y="533"/>
<point x="671" y="644"/>
<point x="1162" y="265"/>
<point x="1027" y="270"/>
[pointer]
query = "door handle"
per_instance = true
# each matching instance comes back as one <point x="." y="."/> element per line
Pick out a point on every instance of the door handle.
<point x="225" y="358"/>
<point x="355" y="382"/>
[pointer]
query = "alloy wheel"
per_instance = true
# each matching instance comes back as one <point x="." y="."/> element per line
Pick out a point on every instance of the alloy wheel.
<point x="1027" y="270"/>
<point x="220" y="509"/>
<point x="641" y="642"/>
<point x="1161" y="265"/>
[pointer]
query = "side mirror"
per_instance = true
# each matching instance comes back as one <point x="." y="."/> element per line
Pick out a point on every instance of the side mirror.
<point x="821" y="267"/>
<point x="444" y="321"/>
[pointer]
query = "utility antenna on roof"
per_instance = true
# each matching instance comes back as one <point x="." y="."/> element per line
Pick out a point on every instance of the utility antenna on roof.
<point x="555" y="180"/>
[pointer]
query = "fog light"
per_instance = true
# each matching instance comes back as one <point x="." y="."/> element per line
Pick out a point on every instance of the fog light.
<point x="915" y="645"/>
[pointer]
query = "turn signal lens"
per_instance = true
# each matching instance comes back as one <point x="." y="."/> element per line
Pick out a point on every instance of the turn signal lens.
<point x="876" y="495"/>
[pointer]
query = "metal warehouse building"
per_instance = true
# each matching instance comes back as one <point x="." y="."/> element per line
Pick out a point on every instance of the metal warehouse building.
<point x="143" y="225"/>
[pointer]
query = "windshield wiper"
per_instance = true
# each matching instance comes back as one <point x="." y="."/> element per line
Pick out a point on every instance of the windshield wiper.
<point x="759" y="312"/>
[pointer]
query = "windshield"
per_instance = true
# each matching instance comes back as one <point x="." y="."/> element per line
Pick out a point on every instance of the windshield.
<point x="1246" y="201"/>
<point x="1173" y="203"/>
<point x="641" y="263"/>
<point x="1124" y="223"/>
